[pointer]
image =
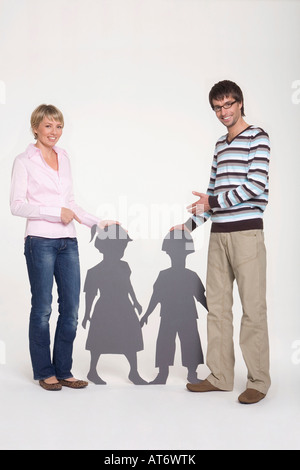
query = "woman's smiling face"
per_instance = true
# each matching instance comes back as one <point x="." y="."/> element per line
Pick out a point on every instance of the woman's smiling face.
<point x="48" y="132"/>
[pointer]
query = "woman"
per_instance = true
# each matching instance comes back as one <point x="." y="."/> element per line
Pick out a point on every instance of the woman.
<point x="42" y="192"/>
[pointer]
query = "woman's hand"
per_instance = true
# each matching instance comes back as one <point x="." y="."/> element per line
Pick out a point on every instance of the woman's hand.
<point x="180" y="227"/>
<point x="106" y="223"/>
<point x="67" y="215"/>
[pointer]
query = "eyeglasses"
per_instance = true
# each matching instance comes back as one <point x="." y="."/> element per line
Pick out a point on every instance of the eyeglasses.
<point x="217" y="109"/>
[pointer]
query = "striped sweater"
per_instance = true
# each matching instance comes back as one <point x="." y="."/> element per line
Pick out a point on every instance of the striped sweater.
<point x="239" y="183"/>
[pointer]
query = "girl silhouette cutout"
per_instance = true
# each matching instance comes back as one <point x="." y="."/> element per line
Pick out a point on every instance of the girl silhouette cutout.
<point x="114" y="325"/>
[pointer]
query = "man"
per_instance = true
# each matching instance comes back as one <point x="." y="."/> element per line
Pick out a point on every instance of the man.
<point x="236" y="199"/>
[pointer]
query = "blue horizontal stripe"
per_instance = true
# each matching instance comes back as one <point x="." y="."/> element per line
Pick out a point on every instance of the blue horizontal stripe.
<point x="236" y="217"/>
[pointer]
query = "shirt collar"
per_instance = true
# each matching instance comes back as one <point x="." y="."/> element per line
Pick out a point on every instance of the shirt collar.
<point x="32" y="150"/>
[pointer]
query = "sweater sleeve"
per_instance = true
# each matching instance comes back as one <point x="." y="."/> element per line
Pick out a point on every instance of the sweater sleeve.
<point x="197" y="220"/>
<point x="19" y="205"/>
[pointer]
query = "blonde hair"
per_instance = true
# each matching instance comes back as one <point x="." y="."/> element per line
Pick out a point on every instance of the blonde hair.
<point x="45" y="110"/>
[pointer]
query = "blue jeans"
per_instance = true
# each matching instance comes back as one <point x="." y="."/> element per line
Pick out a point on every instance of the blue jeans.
<point x="48" y="259"/>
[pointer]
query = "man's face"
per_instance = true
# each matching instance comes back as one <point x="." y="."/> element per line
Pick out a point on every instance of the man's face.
<point x="230" y="116"/>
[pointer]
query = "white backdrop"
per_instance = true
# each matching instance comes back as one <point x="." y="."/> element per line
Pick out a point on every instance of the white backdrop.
<point x="132" y="79"/>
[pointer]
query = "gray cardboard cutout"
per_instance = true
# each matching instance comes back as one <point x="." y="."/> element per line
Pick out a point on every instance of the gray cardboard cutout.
<point x="114" y="324"/>
<point x="176" y="290"/>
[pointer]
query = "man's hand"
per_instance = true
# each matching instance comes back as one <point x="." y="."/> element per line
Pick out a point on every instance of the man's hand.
<point x="200" y="206"/>
<point x="67" y="215"/>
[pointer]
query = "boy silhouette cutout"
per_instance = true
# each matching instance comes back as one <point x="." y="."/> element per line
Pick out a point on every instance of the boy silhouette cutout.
<point x="114" y="325"/>
<point x="176" y="289"/>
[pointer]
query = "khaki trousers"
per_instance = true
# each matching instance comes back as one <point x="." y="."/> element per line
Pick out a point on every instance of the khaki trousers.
<point x="239" y="256"/>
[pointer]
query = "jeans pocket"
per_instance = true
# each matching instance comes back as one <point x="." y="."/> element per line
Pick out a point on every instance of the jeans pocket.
<point x="245" y="246"/>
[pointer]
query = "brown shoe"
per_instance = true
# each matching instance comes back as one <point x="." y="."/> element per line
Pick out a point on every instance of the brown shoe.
<point x="77" y="384"/>
<point x="251" y="396"/>
<point x="204" y="386"/>
<point x="56" y="387"/>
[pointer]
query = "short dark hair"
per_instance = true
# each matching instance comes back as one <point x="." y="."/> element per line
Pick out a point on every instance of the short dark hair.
<point x="226" y="88"/>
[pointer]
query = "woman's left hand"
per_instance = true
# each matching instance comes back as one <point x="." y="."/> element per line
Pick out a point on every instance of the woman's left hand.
<point x="106" y="223"/>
